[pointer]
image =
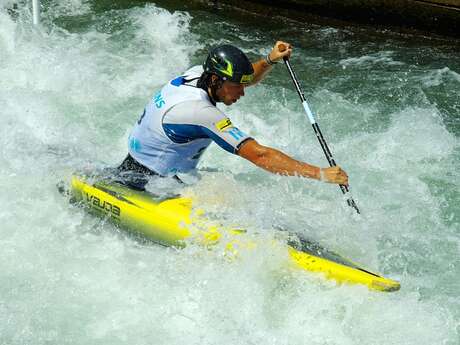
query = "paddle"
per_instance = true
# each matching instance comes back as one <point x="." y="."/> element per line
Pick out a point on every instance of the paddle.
<point x="318" y="133"/>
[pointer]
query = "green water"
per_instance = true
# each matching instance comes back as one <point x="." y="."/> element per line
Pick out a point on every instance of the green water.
<point x="388" y="105"/>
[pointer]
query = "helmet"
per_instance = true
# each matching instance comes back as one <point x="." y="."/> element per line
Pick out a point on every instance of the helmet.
<point x="229" y="63"/>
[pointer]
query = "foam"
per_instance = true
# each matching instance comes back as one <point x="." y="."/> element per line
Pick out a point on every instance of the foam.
<point x="68" y="98"/>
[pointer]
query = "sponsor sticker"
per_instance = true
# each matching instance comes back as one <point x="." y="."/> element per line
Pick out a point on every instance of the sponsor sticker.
<point x="246" y="78"/>
<point x="223" y="124"/>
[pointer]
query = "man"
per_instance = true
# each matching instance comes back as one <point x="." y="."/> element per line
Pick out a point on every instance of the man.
<point x="182" y="120"/>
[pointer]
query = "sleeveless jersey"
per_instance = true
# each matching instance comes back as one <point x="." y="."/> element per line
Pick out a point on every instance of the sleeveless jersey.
<point x="178" y="124"/>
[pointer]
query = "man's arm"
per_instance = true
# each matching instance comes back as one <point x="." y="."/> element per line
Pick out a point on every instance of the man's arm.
<point x="277" y="162"/>
<point x="263" y="66"/>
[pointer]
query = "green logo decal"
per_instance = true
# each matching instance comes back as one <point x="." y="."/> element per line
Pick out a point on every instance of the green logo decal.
<point x="227" y="70"/>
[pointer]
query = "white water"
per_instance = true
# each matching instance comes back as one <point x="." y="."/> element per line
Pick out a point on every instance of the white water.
<point x="68" y="99"/>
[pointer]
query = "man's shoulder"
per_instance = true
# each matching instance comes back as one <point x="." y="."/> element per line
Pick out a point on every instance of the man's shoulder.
<point x="200" y="106"/>
<point x="194" y="71"/>
<point x="196" y="111"/>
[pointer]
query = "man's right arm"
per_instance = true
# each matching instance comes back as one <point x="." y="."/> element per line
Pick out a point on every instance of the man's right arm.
<point x="277" y="162"/>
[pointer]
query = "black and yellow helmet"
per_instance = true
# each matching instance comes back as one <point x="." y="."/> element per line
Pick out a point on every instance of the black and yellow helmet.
<point x="229" y="63"/>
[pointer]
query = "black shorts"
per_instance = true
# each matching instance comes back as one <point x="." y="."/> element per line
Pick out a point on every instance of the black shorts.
<point x="135" y="175"/>
<point x="130" y="164"/>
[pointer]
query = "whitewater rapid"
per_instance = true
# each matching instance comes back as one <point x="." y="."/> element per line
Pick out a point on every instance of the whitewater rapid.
<point x="71" y="89"/>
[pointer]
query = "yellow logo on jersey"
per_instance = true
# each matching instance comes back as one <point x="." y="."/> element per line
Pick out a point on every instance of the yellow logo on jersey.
<point x="223" y="124"/>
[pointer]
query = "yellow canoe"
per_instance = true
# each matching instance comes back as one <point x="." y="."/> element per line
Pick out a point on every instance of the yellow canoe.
<point x="173" y="221"/>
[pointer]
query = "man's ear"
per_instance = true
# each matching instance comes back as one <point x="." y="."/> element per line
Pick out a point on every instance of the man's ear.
<point x="214" y="78"/>
<point x="216" y="82"/>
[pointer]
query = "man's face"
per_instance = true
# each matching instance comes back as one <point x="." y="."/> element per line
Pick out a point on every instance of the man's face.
<point x="230" y="92"/>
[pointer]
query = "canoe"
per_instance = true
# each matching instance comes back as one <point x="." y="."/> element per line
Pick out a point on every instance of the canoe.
<point x="174" y="220"/>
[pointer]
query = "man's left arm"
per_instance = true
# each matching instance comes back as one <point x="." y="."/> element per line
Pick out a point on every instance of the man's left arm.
<point x="265" y="65"/>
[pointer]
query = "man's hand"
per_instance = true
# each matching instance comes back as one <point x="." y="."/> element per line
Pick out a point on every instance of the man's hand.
<point x="265" y="65"/>
<point x="334" y="175"/>
<point x="280" y="50"/>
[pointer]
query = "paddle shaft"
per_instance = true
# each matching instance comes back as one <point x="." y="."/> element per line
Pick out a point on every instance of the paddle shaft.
<point x="318" y="133"/>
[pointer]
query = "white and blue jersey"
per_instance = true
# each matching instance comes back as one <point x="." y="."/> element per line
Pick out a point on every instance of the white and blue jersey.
<point x="178" y="124"/>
